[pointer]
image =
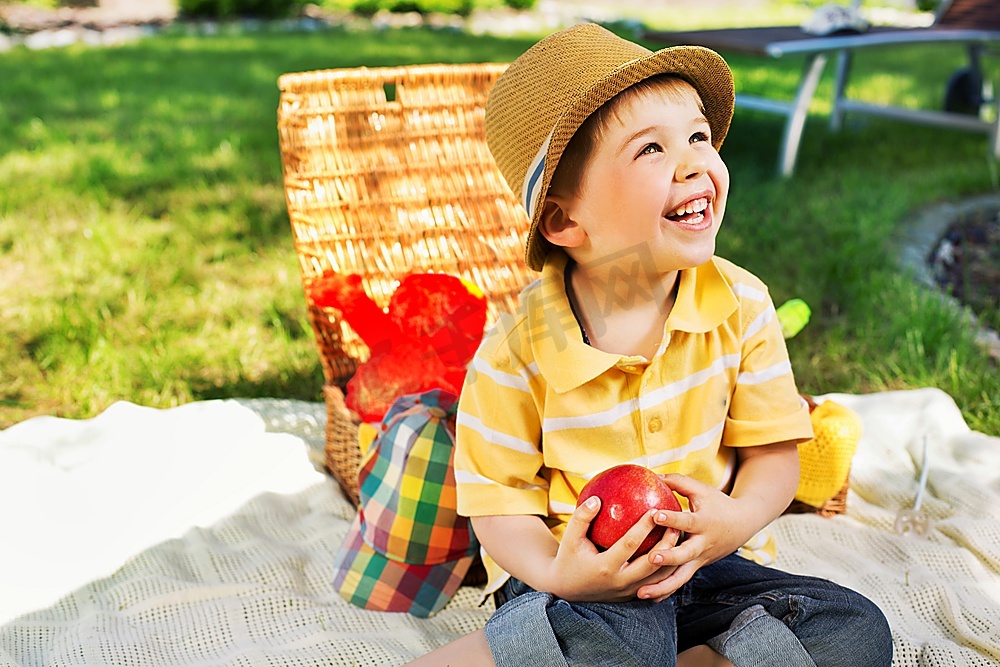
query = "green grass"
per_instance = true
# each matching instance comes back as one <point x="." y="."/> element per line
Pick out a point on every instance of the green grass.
<point x="145" y="251"/>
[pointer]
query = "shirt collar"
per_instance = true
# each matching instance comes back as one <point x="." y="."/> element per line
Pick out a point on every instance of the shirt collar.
<point x="704" y="301"/>
<point x="564" y="360"/>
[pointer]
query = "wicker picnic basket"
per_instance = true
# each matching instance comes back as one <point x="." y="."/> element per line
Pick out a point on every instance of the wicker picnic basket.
<point x="832" y="507"/>
<point x="387" y="173"/>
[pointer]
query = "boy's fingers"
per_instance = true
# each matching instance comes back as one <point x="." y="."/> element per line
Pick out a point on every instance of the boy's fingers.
<point x="670" y="539"/>
<point x="686" y="486"/>
<point x="579" y="522"/>
<point x="634" y="537"/>
<point x="685" y="552"/>
<point x="665" y="588"/>
<point x="686" y="522"/>
<point x="656" y="576"/>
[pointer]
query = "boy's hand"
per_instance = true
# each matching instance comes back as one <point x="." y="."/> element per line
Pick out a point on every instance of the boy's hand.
<point x="719" y="524"/>
<point x="581" y="573"/>
<point x="715" y="527"/>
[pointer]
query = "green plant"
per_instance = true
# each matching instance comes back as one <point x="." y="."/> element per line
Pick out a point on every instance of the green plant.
<point x="223" y="9"/>
<point x="521" y="4"/>
<point x="459" y="7"/>
<point x="403" y="6"/>
<point x="370" y="7"/>
<point x="47" y="4"/>
<point x="366" y="7"/>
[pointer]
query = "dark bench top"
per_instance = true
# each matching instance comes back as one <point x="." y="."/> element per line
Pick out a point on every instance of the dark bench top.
<point x="777" y="41"/>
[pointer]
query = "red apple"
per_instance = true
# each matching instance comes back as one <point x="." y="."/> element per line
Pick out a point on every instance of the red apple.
<point x="627" y="492"/>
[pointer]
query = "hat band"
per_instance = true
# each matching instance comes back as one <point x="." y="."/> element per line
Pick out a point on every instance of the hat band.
<point x="533" y="178"/>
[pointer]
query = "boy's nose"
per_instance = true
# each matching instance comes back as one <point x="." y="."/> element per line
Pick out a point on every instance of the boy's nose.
<point x="691" y="165"/>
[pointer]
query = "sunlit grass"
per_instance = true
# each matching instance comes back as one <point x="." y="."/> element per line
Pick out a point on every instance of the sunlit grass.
<point x="146" y="255"/>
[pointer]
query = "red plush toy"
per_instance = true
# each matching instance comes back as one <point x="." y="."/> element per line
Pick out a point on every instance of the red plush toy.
<point x="433" y="327"/>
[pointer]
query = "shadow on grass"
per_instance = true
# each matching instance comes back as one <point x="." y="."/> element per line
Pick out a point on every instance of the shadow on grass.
<point x="304" y="385"/>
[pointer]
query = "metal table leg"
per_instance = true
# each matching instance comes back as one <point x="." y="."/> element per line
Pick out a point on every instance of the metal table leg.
<point x="843" y="72"/>
<point x="800" y="109"/>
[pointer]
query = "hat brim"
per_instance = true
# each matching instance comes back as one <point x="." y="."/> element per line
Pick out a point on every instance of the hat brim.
<point x="703" y="68"/>
<point x="369" y="580"/>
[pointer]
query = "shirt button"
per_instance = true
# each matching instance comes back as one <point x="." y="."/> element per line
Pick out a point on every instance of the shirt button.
<point x="655" y="424"/>
<point x="629" y="369"/>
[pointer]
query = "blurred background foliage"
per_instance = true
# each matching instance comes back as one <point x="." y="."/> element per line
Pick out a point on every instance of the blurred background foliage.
<point x="268" y="9"/>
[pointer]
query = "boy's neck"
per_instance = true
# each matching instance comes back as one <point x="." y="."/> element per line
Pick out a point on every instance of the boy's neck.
<point x="620" y="312"/>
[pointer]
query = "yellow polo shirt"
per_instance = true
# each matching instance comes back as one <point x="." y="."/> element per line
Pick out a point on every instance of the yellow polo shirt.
<point x="542" y="412"/>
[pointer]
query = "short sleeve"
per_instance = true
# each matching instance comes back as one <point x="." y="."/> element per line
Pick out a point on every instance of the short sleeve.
<point x="498" y="459"/>
<point x="766" y="406"/>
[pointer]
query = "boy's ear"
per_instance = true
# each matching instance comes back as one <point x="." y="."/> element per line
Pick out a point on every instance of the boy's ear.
<point x="557" y="226"/>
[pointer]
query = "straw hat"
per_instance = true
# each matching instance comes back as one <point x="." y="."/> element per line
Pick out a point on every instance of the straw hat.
<point x="545" y="95"/>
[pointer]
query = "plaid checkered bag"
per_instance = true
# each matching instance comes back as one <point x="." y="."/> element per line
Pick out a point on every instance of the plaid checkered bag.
<point x="408" y="549"/>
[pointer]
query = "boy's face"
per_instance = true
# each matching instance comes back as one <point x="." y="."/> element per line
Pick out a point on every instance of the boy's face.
<point x="653" y="179"/>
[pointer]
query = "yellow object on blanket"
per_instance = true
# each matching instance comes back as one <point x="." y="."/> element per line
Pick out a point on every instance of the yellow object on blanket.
<point x="825" y="461"/>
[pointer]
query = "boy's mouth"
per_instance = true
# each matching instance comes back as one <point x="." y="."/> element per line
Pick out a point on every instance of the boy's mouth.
<point x="690" y="212"/>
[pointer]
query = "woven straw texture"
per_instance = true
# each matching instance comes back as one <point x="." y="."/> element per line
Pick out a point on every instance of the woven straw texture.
<point x="249" y="583"/>
<point x="387" y="173"/>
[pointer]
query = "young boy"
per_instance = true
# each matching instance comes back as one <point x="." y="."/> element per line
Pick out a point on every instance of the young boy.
<point x="636" y="345"/>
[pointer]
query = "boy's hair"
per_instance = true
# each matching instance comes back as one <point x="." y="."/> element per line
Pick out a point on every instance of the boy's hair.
<point x="589" y="135"/>
<point x="537" y="105"/>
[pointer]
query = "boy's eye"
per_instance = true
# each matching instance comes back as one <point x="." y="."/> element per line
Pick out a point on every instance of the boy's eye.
<point x="699" y="136"/>
<point x="649" y="149"/>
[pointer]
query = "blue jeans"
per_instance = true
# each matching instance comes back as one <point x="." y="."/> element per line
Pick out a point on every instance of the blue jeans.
<point x="753" y="615"/>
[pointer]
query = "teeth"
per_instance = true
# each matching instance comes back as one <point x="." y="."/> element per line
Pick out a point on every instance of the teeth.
<point x="694" y="206"/>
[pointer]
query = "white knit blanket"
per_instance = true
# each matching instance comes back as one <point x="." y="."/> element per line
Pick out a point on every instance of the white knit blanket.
<point x="204" y="535"/>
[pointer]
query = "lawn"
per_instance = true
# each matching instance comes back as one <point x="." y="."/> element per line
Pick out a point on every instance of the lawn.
<point x="146" y="255"/>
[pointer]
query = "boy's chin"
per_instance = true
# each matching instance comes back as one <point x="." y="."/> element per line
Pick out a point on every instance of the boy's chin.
<point x="686" y="260"/>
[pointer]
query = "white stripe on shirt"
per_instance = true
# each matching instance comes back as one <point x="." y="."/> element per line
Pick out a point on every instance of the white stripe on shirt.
<point x="647" y="402"/>
<point x="728" y="473"/>
<point x="697" y="443"/>
<point x="560" y="508"/>
<point x="696" y="379"/>
<point x="466" y="477"/>
<point x="514" y="381"/>
<point x="593" y="420"/>
<point x="744" y="290"/>
<point x="765" y="374"/>
<point x="495" y="437"/>
<point x="759" y="323"/>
